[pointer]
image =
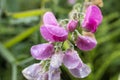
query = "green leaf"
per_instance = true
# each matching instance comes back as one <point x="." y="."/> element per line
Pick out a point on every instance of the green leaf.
<point x="6" y="54"/>
<point x="104" y="65"/>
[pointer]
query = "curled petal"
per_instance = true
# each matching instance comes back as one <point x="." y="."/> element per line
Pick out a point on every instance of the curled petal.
<point x="53" y="33"/>
<point x="71" y="59"/>
<point x="86" y="43"/>
<point x="57" y="59"/>
<point x="42" y="51"/>
<point x="32" y="72"/>
<point x="71" y="26"/>
<point x="81" y="72"/>
<point x="93" y="17"/>
<point x="54" y="73"/>
<point x="49" y="19"/>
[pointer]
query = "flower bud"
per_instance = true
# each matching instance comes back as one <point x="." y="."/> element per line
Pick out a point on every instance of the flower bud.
<point x="93" y="17"/>
<point x="42" y="51"/>
<point x="71" y="26"/>
<point x="86" y="43"/>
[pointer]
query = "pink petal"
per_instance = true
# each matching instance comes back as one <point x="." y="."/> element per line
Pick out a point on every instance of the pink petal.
<point x="71" y="59"/>
<point x="58" y="31"/>
<point x="93" y="17"/>
<point x="46" y="34"/>
<point x="42" y="51"/>
<point x="86" y="43"/>
<point x="49" y="19"/>
<point x="53" y="34"/>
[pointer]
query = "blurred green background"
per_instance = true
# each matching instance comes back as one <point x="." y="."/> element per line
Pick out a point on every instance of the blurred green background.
<point x="19" y="30"/>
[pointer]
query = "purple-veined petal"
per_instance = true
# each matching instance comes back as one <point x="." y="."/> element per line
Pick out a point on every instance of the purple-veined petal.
<point x="86" y="43"/>
<point x="57" y="59"/>
<point x="54" y="73"/>
<point x="53" y="33"/>
<point x="71" y="59"/>
<point x="32" y="72"/>
<point x="72" y="24"/>
<point x="42" y="51"/>
<point x="49" y="19"/>
<point x="81" y="71"/>
<point x="93" y="17"/>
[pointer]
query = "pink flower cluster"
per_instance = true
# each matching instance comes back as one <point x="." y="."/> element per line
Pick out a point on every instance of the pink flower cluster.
<point x="52" y="55"/>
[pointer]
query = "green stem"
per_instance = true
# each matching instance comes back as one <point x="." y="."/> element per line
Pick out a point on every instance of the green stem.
<point x="14" y="72"/>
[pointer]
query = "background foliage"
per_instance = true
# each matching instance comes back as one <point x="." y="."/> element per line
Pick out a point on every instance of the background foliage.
<point x="19" y="30"/>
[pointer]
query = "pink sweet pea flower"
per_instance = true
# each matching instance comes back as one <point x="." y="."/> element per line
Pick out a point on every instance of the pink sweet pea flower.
<point x="51" y="31"/>
<point x="86" y="43"/>
<point x="93" y="17"/>
<point x="42" y="51"/>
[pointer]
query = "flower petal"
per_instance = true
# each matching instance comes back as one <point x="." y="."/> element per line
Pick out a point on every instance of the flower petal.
<point x="46" y="34"/>
<point x="54" y="73"/>
<point x="71" y="59"/>
<point x="57" y="31"/>
<point x="49" y="19"/>
<point x="42" y="51"/>
<point x="44" y="76"/>
<point x="53" y="34"/>
<point x="86" y="43"/>
<point x="93" y="17"/>
<point x="81" y="72"/>
<point x="32" y="72"/>
<point x="57" y="59"/>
